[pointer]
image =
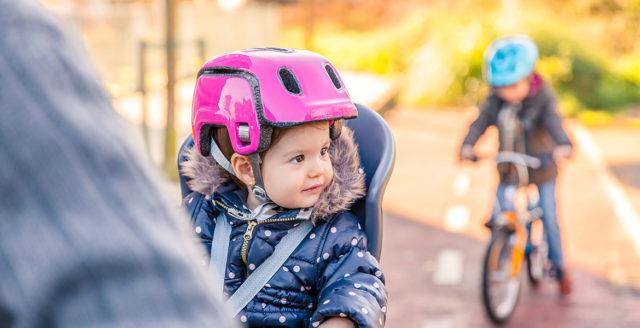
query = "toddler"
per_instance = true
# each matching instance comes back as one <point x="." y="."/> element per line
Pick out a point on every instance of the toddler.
<point x="271" y="157"/>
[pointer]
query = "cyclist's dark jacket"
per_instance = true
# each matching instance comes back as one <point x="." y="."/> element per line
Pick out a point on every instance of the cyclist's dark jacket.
<point x="538" y="122"/>
<point x="330" y="274"/>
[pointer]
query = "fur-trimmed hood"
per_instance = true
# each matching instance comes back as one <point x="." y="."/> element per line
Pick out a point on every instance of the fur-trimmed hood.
<point x="347" y="186"/>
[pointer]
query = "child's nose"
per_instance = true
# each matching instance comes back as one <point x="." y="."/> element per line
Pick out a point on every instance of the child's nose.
<point x="317" y="167"/>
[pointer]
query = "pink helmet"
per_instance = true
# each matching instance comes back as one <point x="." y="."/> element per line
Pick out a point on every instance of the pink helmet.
<point x="251" y="91"/>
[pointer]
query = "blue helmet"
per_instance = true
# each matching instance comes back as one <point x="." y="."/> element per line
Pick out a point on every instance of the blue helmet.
<point x="509" y="59"/>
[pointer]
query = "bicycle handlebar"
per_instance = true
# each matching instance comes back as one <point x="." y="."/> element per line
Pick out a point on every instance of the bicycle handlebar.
<point x="534" y="162"/>
<point x="518" y="159"/>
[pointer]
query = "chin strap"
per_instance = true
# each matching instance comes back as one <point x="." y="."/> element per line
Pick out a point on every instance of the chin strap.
<point x="220" y="158"/>
<point x="257" y="189"/>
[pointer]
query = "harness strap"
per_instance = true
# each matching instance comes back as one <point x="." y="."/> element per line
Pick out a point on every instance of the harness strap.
<point x="248" y="290"/>
<point x="219" y="252"/>
<point x="259" y="277"/>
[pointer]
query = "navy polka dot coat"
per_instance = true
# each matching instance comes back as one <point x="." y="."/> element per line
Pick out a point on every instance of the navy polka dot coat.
<point x="330" y="274"/>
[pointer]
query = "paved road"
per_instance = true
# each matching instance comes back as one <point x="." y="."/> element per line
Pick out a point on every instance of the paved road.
<point x="434" y="212"/>
<point x="410" y="257"/>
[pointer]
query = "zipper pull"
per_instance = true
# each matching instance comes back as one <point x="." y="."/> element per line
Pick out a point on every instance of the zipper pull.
<point x="249" y="232"/>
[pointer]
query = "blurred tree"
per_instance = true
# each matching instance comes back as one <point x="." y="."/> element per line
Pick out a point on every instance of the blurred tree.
<point x="170" y="152"/>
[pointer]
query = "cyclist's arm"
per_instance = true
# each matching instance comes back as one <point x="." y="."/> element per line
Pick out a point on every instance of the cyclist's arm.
<point x="553" y="123"/>
<point x="485" y="119"/>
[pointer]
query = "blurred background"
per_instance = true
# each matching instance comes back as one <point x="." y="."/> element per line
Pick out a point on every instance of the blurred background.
<point x="419" y="64"/>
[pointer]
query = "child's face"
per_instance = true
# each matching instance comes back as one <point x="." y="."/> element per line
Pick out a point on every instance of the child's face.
<point x="514" y="93"/>
<point x="297" y="167"/>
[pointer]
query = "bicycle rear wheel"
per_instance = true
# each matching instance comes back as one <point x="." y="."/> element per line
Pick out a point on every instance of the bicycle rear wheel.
<point x="500" y="291"/>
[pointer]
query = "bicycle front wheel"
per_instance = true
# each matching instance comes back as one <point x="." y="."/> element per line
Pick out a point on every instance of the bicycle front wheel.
<point x="500" y="290"/>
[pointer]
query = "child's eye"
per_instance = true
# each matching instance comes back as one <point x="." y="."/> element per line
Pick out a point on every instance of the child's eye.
<point x="298" y="159"/>
<point x="324" y="151"/>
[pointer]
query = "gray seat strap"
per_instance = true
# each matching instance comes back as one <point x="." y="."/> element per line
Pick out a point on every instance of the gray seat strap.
<point x="219" y="252"/>
<point x="248" y="290"/>
<point x="257" y="280"/>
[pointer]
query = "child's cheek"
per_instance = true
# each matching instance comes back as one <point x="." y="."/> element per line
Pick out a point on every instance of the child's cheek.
<point x="328" y="173"/>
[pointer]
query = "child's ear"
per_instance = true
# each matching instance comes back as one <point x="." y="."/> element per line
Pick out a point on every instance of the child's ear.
<point x="242" y="167"/>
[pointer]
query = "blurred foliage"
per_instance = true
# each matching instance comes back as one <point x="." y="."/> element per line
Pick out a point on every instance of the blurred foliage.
<point x="589" y="50"/>
<point x="594" y="118"/>
<point x="585" y="75"/>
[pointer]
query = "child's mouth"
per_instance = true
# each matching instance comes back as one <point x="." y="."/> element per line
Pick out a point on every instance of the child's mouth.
<point x="313" y="189"/>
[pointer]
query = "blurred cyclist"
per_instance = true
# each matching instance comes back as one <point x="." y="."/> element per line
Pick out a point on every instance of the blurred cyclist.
<point x="523" y="108"/>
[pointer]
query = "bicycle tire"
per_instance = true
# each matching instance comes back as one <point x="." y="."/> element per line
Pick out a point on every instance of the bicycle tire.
<point x="496" y="270"/>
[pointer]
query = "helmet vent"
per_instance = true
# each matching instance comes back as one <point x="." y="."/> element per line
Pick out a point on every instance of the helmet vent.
<point x="289" y="81"/>
<point x="333" y="76"/>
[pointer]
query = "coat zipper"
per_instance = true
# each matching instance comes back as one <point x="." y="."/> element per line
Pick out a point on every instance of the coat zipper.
<point x="248" y="234"/>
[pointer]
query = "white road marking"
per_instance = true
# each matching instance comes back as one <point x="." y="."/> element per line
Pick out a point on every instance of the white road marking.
<point x="457" y="218"/>
<point x="449" y="267"/>
<point x="625" y="212"/>
<point x="461" y="183"/>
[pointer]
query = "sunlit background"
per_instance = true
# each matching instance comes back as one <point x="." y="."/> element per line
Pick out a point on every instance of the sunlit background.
<point x="422" y="55"/>
<point x="589" y="49"/>
<point x="430" y="50"/>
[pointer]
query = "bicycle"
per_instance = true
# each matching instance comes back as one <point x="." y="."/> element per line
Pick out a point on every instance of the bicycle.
<point x="512" y="243"/>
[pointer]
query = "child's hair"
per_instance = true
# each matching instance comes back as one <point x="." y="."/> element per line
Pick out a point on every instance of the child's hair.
<point x="221" y="137"/>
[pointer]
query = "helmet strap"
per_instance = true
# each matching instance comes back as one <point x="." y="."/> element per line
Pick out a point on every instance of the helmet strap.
<point x="258" y="188"/>
<point x="220" y="158"/>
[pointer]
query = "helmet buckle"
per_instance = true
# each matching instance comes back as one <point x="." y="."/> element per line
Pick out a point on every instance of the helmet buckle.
<point x="260" y="193"/>
<point x="243" y="132"/>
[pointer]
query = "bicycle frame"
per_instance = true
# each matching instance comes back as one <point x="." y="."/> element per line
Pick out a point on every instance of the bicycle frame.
<point x="507" y="249"/>
<point x="517" y="220"/>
